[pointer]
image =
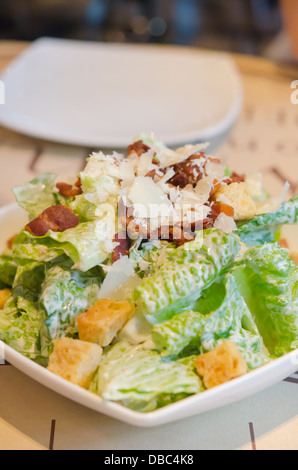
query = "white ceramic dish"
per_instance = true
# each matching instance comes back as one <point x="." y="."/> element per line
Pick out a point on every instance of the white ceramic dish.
<point x="102" y="95"/>
<point x="12" y="218"/>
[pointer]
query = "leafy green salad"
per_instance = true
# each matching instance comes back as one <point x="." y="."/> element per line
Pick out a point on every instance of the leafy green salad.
<point x="152" y="275"/>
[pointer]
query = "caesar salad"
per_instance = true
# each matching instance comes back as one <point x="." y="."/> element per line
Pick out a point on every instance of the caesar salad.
<point x="152" y="275"/>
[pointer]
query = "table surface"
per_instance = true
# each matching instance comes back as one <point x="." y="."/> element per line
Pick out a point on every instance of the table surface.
<point x="264" y="138"/>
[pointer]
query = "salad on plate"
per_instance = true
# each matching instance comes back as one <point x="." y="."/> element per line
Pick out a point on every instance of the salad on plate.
<point x="152" y="275"/>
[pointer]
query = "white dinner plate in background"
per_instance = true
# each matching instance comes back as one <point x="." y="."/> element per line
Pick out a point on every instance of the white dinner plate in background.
<point x="103" y="94"/>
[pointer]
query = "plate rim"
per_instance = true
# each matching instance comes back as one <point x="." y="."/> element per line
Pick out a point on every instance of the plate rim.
<point x="213" y="131"/>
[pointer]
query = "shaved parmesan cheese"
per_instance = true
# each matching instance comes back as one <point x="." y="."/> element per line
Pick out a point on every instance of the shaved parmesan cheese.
<point x="127" y="174"/>
<point x="120" y="280"/>
<point x="144" y="163"/>
<point x="203" y="189"/>
<point x="284" y="192"/>
<point x="170" y="157"/>
<point x="215" y="170"/>
<point x="147" y="197"/>
<point x="225" y="223"/>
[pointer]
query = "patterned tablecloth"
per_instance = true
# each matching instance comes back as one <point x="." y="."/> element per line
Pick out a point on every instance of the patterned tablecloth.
<point x="264" y="138"/>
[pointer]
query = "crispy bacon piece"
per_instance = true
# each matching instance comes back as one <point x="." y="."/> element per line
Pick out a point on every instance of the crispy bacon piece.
<point x="215" y="210"/>
<point x="216" y="186"/>
<point x="123" y="246"/>
<point x="234" y="178"/>
<point x="180" y="235"/>
<point x="9" y="242"/>
<point x="186" y="172"/>
<point x="138" y="147"/>
<point x="151" y="174"/>
<point x="56" y="218"/>
<point x="219" y="207"/>
<point x="70" y="190"/>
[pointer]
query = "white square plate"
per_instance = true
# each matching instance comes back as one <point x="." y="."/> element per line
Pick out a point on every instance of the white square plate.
<point x="103" y="95"/>
<point x="12" y="219"/>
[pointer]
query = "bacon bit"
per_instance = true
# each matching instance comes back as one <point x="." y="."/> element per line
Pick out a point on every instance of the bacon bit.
<point x="185" y="174"/>
<point x="234" y="178"/>
<point x="9" y="242"/>
<point x="216" y="186"/>
<point x="180" y="236"/>
<point x="151" y="174"/>
<point x="56" y="218"/>
<point x="123" y="246"/>
<point x="78" y="183"/>
<point x="138" y="147"/>
<point x="283" y="243"/>
<point x="213" y="160"/>
<point x="219" y="207"/>
<point x="69" y="190"/>
<point x="154" y="175"/>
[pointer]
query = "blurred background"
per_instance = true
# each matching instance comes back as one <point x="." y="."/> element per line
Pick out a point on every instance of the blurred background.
<point x="258" y="27"/>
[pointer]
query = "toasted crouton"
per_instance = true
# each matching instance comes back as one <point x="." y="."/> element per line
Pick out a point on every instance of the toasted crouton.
<point x="4" y="295"/>
<point x="223" y="363"/>
<point x="237" y="196"/>
<point x="75" y="360"/>
<point x="100" y="323"/>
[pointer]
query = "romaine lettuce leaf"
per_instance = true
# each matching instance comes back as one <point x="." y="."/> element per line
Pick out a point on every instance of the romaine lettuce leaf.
<point x="268" y="281"/>
<point x="140" y="379"/>
<point x="174" y="335"/>
<point x="66" y="293"/>
<point x="185" y="273"/>
<point x="8" y="269"/>
<point x="20" y="325"/>
<point x="262" y="228"/>
<point x="38" y="194"/>
<point x="28" y="280"/>
<point x="201" y="332"/>
<point x="233" y="320"/>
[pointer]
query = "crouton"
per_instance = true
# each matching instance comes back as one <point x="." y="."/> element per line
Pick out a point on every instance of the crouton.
<point x="100" y="323"/>
<point x="237" y="196"/>
<point x="75" y="360"/>
<point x="223" y="363"/>
<point x="4" y="295"/>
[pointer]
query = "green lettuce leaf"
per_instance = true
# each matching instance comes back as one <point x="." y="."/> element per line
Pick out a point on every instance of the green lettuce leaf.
<point x="65" y="294"/>
<point x="38" y="194"/>
<point x="262" y="228"/>
<point x="185" y="273"/>
<point x="233" y="321"/>
<point x="20" y="325"/>
<point x="28" y="280"/>
<point x="8" y="269"/>
<point x="140" y="379"/>
<point x="268" y="281"/>
<point x="173" y="336"/>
